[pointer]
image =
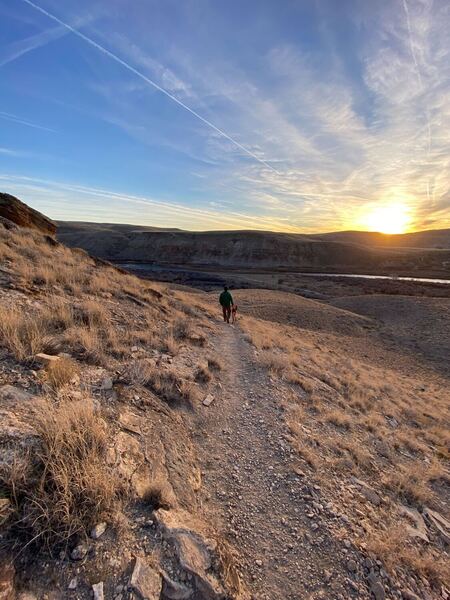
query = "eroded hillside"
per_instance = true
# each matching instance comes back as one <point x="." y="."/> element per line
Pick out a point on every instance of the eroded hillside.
<point x="148" y="450"/>
<point x="98" y="471"/>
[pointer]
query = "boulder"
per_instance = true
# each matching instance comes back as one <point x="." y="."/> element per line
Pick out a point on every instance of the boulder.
<point x="174" y="590"/>
<point x="194" y="551"/>
<point x="145" y="580"/>
<point x="208" y="400"/>
<point x="79" y="552"/>
<point x="377" y="590"/>
<point x="12" y="209"/>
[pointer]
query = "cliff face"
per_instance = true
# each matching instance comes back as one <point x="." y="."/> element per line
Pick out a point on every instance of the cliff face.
<point x="12" y="209"/>
<point x="246" y="249"/>
<point x="256" y="249"/>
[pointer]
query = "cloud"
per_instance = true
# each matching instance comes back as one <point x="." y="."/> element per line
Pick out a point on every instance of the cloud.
<point x="65" y="201"/>
<point x="324" y="141"/>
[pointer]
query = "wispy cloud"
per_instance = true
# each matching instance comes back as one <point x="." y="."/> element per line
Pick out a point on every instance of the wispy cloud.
<point x="22" y="121"/>
<point x="67" y="201"/>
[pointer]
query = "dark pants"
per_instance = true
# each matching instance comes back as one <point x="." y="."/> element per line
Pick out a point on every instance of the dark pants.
<point x="226" y="313"/>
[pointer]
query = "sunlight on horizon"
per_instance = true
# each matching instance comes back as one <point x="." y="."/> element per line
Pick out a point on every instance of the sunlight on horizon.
<point x="389" y="218"/>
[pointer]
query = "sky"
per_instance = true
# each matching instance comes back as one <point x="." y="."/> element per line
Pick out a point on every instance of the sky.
<point x="288" y="115"/>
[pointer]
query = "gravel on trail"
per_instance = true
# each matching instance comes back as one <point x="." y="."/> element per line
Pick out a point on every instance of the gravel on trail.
<point x="270" y="515"/>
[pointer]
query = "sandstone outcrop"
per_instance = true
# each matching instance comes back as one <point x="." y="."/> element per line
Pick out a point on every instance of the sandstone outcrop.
<point x="15" y="211"/>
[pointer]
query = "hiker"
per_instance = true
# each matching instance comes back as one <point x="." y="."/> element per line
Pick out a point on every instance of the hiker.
<point x="226" y="301"/>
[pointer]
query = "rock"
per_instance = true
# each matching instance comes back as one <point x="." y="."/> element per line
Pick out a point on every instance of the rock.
<point x="420" y="529"/>
<point x="352" y="566"/>
<point x="46" y="359"/>
<point x="5" y="509"/>
<point x="439" y="522"/>
<point x="98" y="530"/>
<point x="145" y="580"/>
<point x="9" y="393"/>
<point x="208" y="400"/>
<point x="174" y="590"/>
<point x="107" y="384"/>
<point x="12" y="209"/>
<point x="377" y="590"/>
<point x="73" y="584"/>
<point x="409" y="595"/>
<point x="134" y="349"/>
<point x="367" y="491"/>
<point x="79" y="552"/>
<point x="193" y="551"/>
<point x="130" y="421"/>
<point x="6" y="581"/>
<point x="97" y="589"/>
<point x="258" y="562"/>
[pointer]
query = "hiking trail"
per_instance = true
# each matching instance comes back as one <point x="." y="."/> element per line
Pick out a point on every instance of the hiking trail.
<point x="263" y="508"/>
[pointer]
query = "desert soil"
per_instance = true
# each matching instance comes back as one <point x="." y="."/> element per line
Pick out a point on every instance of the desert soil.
<point x="271" y="516"/>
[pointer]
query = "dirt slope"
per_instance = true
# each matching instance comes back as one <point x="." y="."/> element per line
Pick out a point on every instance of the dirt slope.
<point x="282" y="307"/>
<point x="421" y="324"/>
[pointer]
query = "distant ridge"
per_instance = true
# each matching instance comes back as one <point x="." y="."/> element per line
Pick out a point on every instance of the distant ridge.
<point x="260" y="249"/>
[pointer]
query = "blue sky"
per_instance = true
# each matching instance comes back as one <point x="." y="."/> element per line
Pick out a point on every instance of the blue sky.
<point x="307" y="115"/>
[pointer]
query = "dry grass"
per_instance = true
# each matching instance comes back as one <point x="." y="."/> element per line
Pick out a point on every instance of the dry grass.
<point x="276" y="364"/>
<point x="339" y="419"/>
<point x="21" y="333"/>
<point x="395" y="548"/>
<point x="214" y="364"/>
<point x="165" y="383"/>
<point x="170" y="345"/>
<point x="379" y="425"/>
<point x="172" y="388"/>
<point x="202" y="375"/>
<point x="63" y="486"/>
<point x="60" y="373"/>
<point x="181" y="329"/>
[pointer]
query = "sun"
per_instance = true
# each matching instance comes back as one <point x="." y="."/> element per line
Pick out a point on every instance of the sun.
<point x="389" y="218"/>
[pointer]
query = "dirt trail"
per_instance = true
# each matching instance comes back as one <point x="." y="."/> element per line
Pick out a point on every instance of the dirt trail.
<point x="271" y="516"/>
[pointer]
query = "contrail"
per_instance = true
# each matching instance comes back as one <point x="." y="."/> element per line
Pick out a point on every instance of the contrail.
<point x="127" y="66"/>
<point x="411" y="45"/>
<point x="14" y="119"/>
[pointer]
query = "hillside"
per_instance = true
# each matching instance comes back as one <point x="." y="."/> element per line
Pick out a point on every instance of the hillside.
<point x="256" y="249"/>
<point x="150" y="451"/>
<point x="432" y="239"/>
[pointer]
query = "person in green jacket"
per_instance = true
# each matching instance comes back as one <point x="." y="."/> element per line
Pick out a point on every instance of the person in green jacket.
<point x="226" y="302"/>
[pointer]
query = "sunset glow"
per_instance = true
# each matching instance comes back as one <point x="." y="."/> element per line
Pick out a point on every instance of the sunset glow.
<point x="392" y="218"/>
